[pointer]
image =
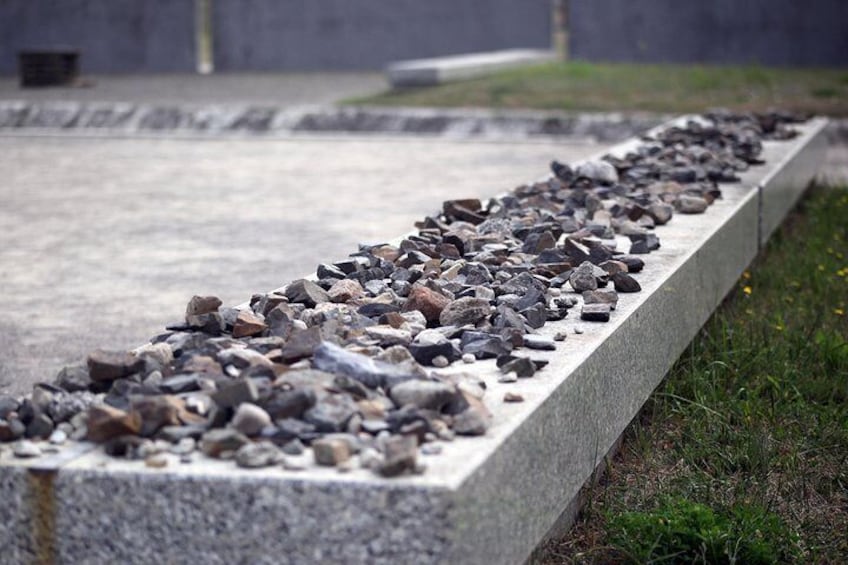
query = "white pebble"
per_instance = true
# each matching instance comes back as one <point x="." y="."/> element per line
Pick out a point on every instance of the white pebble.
<point x="58" y="437"/>
<point x="440" y="361"/>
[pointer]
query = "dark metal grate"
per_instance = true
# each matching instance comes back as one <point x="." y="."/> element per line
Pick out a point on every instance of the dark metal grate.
<point x="48" y="67"/>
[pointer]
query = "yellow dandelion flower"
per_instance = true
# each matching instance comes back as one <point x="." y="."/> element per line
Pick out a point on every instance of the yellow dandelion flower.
<point x="839" y="311"/>
<point x="747" y="290"/>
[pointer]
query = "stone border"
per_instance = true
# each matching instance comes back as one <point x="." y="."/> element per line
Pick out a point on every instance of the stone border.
<point x="489" y="499"/>
<point x="181" y="120"/>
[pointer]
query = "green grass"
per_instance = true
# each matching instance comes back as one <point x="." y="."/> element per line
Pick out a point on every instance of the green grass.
<point x="577" y="85"/>
<point x="742" y="454"/>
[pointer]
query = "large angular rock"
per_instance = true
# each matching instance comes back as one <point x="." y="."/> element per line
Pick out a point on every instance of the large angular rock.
<point x="372" y="373"/>
<point x="583" y="278"/>
<point x="248" y="324"/>
<point x="306" y="292"/>
<point x="104" y="423"/>
<point x="463" y="311"/>
<point x="428" y="395"/>
<point x="104" y="366"/>
<point x="428" y="302"/>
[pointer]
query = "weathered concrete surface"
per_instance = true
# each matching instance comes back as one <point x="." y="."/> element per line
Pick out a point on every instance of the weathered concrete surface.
<point x="102" y="241"/>
<point x="276" y="89"/>
<point x="835" y="169"/>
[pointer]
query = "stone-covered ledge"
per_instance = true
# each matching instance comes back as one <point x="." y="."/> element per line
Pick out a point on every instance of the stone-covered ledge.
<point x="487" y="499"/>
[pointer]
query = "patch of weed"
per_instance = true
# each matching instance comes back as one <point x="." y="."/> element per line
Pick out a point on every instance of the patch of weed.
<point x="680" y="531"/>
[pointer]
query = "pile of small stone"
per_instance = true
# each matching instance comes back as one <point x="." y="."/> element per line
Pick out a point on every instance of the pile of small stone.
<point x="347" y="362"/>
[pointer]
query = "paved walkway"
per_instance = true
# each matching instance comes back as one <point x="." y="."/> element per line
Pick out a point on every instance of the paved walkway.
<point x="276" y="89"/>
<point x="103" y="241"/>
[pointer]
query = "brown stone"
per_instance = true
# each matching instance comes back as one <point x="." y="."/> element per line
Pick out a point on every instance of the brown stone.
<point x="428" y="302"/>
<point x="110" y="365"/>
<point x="371" y="409"/>
<point x="393" y="319"/>
<point x="199" y="305"/>
<point x="612" y="267"/>
<point x="156" y="412"/>
<point x="345" y="290"/>
<point x="202" y="364"/>
<point x="248" y="324"/>
<point x="401" y="454"/>
<point x="105" y="423"/>
<point x="330" y="451"/>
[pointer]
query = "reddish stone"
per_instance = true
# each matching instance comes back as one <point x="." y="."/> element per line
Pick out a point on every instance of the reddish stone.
<point x="428" y="302"/>
<point x="248" y="324"/>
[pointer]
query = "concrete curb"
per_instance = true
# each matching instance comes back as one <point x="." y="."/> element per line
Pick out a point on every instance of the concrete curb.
<point x="429" y="72"/>
<point x="483" y="500"/>
<point x="21" y="117"/>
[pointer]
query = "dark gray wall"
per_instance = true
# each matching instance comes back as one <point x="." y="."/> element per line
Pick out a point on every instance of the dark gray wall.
<point x="367" y="34"/>
<point x="112" y="35"/>
<point x="768" y="32"/>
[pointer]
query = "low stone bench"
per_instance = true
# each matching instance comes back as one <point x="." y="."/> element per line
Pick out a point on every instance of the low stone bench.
<point x="428" y="72"/>
<point x="488" y="499"/>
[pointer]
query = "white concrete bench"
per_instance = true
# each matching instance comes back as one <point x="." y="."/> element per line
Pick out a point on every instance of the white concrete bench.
<point x="428" y="72"/>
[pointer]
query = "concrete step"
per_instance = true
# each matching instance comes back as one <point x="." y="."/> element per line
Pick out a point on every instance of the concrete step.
<point x="487" y="500"/>
<point x="20" y="117"/>
<point x="429" y="72"/>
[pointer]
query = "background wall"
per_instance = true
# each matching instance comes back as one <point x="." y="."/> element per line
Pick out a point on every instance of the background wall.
<point x="367" y="34"/>
<point x="768" y="32"/>
<point x="112" y="35"/>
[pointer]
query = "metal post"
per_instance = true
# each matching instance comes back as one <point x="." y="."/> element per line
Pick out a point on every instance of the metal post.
<point x="203" y="36"/>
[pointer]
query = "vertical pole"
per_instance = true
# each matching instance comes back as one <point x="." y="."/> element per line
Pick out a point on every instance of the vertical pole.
<point x="203" y="36"/>
<point x="560" y="28"/>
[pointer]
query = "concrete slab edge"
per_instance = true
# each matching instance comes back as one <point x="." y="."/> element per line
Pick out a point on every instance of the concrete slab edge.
<point x="98" y="119"/>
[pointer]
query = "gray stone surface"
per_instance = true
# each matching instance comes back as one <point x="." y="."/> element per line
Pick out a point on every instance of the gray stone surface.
<point x="105" y="240"/>
<point x="217" y="516"/>
<point x="182" y="89"/>
<point x="429" y="72"/>
<point x="336" y="34"/>
<point x="770" y="32"/>
<point x="16" y="515"/>
<point x="114" y="36"/>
